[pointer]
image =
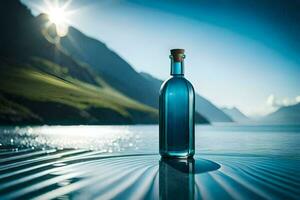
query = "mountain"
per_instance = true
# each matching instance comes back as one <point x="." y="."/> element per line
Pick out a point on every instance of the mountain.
<point x="113" y="69"/>
<point x="236" y="115"/>
<point x="203" y="106"/>
<point x="40" y="83"/>
<point x="110" y="66"/>
<point x="284" y="115"/>
<point x="210" y="111"/>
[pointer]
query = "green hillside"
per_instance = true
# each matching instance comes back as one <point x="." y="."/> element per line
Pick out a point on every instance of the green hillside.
<point x="43" y="82"/>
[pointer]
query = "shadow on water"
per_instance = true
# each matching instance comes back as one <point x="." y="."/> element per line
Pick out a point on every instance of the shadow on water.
<point x="177" y="176"/>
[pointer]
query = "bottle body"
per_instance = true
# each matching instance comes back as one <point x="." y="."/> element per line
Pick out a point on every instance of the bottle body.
<point x="176" y="118"/>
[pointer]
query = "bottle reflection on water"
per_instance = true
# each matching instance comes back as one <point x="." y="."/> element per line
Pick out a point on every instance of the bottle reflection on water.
<point x="176" y="178"/>
<point x="176" y="111"/>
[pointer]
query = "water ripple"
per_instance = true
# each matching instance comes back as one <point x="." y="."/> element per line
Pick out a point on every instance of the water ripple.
<point x="85" y="174"/>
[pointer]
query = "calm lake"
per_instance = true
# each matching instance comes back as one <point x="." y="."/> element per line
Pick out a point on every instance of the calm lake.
<point x="122" y="162"/>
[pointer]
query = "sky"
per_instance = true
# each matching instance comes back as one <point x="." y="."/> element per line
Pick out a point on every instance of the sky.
<point x="238" y="53"/>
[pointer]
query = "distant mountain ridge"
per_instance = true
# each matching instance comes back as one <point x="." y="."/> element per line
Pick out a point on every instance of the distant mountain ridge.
<point x="236" y="115"/>
<point x="284" y="115"/>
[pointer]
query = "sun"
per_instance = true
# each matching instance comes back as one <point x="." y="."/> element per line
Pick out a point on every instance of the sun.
<point x="58" y="15"/>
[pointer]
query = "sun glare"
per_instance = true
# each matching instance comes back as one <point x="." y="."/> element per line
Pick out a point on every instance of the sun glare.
<point x="58" y="15"/>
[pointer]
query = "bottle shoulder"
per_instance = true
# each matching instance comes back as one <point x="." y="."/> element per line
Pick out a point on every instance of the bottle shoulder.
<point x="174" y="83"/>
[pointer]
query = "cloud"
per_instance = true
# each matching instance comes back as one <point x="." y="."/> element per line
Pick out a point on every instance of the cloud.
<point x="271" y="101"/>
<point x="275" y="102"/>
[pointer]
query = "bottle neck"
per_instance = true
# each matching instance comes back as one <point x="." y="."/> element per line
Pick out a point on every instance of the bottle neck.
<point x="177" y="68"/>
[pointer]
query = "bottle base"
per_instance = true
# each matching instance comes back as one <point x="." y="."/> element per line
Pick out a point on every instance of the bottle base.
<point x="177" y="155"/>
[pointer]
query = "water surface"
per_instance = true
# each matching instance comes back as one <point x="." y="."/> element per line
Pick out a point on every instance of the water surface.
<point x="121" y="162"/>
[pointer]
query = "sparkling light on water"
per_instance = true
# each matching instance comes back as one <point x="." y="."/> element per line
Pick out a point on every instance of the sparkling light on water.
<point x="231" y="162"/>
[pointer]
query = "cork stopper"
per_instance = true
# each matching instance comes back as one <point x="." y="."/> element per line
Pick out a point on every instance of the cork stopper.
<point x="177" y="54"/>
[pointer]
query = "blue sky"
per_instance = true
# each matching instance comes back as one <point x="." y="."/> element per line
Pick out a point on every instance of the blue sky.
<point x="239" y="53"/>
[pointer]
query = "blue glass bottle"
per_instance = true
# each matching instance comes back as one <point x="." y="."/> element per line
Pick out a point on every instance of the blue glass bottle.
<point x="176" y="111"/>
